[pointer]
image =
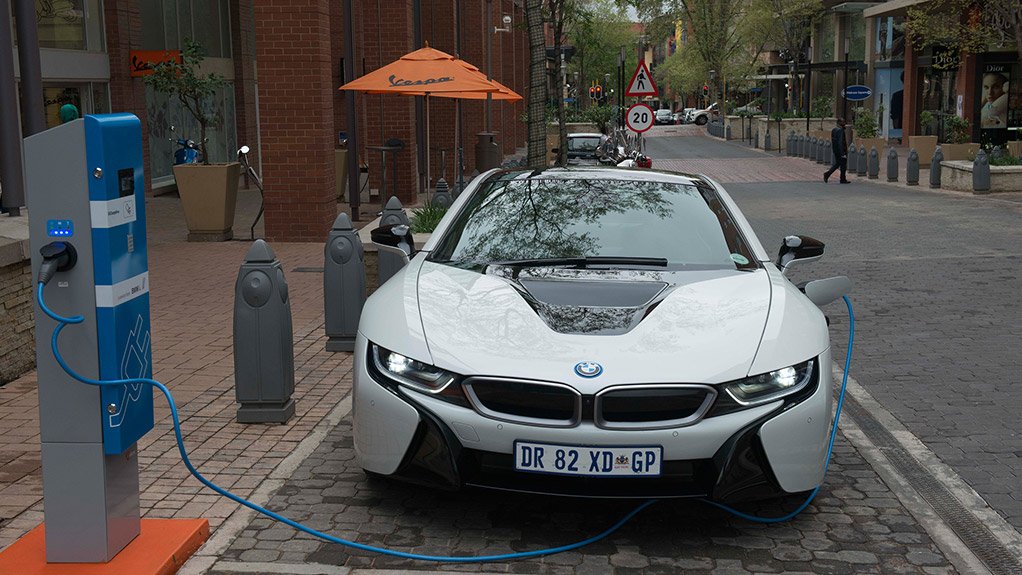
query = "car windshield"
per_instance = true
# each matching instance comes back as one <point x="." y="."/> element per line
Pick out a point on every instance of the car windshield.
<point x="583" y="144"/>
<point x="517" y="220"/>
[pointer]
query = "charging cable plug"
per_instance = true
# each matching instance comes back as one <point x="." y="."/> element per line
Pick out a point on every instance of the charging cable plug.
<point x="57" y="257"/>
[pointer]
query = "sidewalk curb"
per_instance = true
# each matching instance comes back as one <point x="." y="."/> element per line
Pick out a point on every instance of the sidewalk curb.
<point x="960" y="555"/>
<point x="207" y="555"/>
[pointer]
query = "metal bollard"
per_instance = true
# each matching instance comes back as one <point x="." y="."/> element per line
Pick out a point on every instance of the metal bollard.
<point x="798" y="145"/>
<point x="892" y="165"/>
<point x="912" y="168"/>
<point x="830" y="153"/>
<point x="442" y="195"/>
<point x="727" y="131"/>
<point x="811" y="156"/>
<point x="981" y="173"/>
<point x="821" y="153"/>
<point x="264" y="365"/>
<point x="853" y="159"/>
<point x="938" y="157"/>
<point x="755" y="139"/>
<point x="789" y="143"/>
<point x="344" y="285"/>
<point x="766" y="140"/>
<point x="860" y="169"/>
<point x="389" y="263"/>
<point x="874" y="163"/>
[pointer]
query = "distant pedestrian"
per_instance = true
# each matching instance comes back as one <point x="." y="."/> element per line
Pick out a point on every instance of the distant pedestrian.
<point x="840" y="145"/>
<point x="68" y="112"/>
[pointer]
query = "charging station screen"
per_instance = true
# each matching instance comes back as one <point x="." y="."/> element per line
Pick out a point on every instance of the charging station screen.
<point x="60" y="228"/>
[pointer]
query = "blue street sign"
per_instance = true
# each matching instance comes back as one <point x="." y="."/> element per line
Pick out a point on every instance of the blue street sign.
<point x="856" y="93"/>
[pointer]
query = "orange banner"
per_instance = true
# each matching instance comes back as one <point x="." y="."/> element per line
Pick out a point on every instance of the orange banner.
<point x="143" y="61"/>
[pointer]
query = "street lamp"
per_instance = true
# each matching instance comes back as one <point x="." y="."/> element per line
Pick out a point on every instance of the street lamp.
<point x="844" y="95"/>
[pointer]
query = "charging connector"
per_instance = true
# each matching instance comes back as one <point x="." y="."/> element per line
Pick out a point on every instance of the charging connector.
<point x="57" y="257"/>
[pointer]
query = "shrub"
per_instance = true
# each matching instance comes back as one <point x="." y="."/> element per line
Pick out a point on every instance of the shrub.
<point x="956" y="130"/>
<point x="865" y="123"/>
<point x="425" y="219"/>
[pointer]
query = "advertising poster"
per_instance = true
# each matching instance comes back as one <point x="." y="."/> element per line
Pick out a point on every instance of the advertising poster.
<point x="995" y="84"/>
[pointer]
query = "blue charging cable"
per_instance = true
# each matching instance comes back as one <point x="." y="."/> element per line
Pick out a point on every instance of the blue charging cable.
<point x="62" y="322"/>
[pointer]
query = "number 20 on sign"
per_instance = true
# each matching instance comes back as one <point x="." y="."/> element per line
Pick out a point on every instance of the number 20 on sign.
<point x="639" y="118"/>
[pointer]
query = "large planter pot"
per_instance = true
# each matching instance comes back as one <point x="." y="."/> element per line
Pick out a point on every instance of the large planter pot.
<point x="1015" y="149"/>
<point x="954" y="152"/>
<point x="208" y="196"/>
<point x="957" y="175"/>
<point x="924" y="146"/>
<point x="870" y="143"/>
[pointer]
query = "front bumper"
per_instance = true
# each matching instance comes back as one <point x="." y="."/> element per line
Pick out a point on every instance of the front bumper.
<point x="755" y="453"/>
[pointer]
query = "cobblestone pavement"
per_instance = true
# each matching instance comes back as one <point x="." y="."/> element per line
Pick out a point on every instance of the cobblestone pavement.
<point x="855" y="525"/>
<point x="938" y="331"/>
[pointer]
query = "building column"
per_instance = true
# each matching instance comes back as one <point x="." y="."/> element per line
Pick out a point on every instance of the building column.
<point x="296" y="118"/>
<point x="127" y="94"/>
<point x="909" y="106"/>
<point x="965" y="83"/>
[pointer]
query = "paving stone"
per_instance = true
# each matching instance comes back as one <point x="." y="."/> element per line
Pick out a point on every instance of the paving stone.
<point x="923" y="557"/>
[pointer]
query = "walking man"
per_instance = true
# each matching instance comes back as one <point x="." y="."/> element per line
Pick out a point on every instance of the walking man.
<point x="837" y="141"/>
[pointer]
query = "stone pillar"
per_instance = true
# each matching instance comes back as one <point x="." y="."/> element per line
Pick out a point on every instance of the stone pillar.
<point x="296" y="95"/>
<point x="127" y="94"/>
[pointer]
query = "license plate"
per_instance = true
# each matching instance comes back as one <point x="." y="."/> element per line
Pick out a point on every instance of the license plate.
<point x="588" y="460"/>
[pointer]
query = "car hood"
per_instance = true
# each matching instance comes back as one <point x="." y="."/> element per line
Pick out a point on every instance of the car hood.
<point x="641" y="326"/>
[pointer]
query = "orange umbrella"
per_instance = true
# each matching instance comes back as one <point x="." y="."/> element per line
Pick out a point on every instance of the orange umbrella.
<point x="430" y="72"/>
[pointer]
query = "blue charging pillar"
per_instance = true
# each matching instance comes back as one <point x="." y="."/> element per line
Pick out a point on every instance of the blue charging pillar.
<point x="85" y="186"/>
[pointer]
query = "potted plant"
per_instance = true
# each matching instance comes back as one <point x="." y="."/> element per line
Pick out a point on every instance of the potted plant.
<point x="956" y="140"/>
<point x="208" y="191"/>
<point x="924" y="145"/>
<point x="866" y="128"/>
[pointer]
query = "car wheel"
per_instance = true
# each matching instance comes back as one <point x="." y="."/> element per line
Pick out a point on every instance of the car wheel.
<point x="701" y="121"/>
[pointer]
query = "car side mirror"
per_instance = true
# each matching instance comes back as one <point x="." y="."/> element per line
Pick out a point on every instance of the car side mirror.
<point x="822" y="292"/>
<point x="396" y="239"/>
<point x="798" y="249"/>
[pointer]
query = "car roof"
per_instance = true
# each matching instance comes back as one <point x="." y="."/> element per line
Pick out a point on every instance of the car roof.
<point x="610" y="173"/>
<point x="585" y="135"/>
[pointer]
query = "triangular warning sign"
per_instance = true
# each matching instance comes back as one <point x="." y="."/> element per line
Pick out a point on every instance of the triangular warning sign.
<point x="642" y="82"/>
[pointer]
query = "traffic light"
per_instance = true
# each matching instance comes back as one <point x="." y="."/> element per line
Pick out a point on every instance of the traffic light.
<point x="599" y="92"/>
<point x="706" y="90"/>
<point x="592" y="92"/>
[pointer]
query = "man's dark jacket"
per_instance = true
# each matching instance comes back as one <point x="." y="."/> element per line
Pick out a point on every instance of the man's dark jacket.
<point x="837" y="141"/>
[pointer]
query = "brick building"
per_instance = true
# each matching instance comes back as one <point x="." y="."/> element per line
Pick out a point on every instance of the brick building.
<point x="283" y="63"/>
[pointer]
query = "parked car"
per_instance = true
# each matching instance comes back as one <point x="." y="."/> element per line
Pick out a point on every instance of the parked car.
<point x="598" y="332"/>
<point x="584" y="149"/>
<point x="701" y="117"/>
<point x="663" y="117"/>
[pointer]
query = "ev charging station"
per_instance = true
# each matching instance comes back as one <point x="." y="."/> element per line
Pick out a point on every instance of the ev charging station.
<point x="86" y="190"/>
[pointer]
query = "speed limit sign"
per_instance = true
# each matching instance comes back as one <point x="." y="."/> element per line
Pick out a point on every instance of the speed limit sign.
<point x="639" y="118"/>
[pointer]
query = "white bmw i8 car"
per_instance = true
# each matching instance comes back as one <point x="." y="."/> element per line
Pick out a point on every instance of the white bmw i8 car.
<point x="596" y="332"/>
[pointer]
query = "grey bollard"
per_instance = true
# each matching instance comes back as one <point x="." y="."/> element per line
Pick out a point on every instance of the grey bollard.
<point x="912" y="168"/>
<point x="853" y="159"/>
<point x="789" y="143"/>
<point x="798" y="146"/>
<point x="892" y="165"/>
<point x="390" y="263"/>
<point x="442" y="195"/>
<point x="811" y="149"/>
<point x="755" y="139"/>
<point x="938" y="157"/>
<point x="766" y="140"/>
<point x="830" y="153"/>
<point x="727" y="132"/>
<point x="860" y="169"/>
<point x="981" y="173"/>
<point x="344" y="285"/>
<point x="874" y="163"/>
<point x="264" y="364"/>
<point x="821" y="151"/>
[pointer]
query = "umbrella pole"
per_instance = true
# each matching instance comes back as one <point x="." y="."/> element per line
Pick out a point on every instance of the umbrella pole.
<point x="427" y="146"/>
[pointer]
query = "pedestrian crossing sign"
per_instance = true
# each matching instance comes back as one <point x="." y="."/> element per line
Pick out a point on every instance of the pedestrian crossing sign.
<point x="642" y="82"/>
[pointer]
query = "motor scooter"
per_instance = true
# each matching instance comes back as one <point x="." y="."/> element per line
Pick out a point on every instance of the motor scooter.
<point x="188" y="151"/>
<point x="243" y="159"/>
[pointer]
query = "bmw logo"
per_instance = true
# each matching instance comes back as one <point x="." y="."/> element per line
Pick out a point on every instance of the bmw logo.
<point x="588" y="369"/>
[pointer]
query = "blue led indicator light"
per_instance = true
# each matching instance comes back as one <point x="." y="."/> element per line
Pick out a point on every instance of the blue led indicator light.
<point x="60" y="228"/>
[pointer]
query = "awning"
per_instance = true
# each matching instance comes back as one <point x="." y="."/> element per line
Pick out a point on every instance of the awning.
<point x="891" y="8"/>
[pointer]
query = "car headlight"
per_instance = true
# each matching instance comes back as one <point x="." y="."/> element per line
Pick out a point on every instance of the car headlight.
<point x="407" y="371"/>
<point x="770" y="386"/>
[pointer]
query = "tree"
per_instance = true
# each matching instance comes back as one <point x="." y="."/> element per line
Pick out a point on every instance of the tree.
<point x="598" y="32"/>
<point x="558" y="10"/>
<point x="536" y="156"/>
<point x="965" y="25"/>
<point x="194" y="91"/>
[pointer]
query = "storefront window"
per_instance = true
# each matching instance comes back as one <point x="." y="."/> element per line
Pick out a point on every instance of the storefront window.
<point x="69" y="25"/>
<point x="166" y="112"/>
<point x="856" y="30"/>
<point x="166" y="24"/>
<point x="87" y="98"/>
<point x="826" y="35"/>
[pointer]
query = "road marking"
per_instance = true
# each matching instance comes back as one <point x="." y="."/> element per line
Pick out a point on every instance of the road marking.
<point x="207" y="555"/>
<point x="950" y="542"/>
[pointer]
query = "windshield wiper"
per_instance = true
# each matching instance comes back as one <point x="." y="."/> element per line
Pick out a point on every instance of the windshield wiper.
<point x="583" y="262"/>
